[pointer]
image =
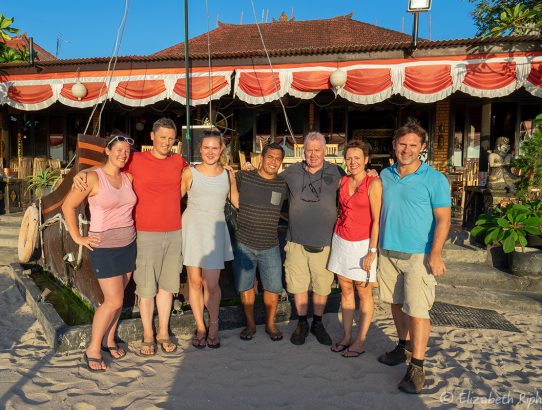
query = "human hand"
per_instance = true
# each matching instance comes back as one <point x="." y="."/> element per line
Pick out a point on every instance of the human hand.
<point x="80" y="181"/>
<point x="87" y="241"/>
<point x="247" y="166"/>
<point x="372" y="173"/>
<point x="367" y="261"/>
<point x="436" y="265"/>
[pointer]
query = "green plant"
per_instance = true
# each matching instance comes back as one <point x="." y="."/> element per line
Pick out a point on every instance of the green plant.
<point x="509" y="226"/>
<point x="42" y="180"/>
<point x="529" y="161"/>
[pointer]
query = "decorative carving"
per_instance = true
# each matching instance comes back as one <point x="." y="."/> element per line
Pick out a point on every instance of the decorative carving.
<point x="500" y="177"/>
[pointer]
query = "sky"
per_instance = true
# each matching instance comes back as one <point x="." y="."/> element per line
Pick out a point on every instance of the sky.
<point x="89" y="28"/>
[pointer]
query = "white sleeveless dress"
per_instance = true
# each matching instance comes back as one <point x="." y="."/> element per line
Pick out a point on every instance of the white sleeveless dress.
<point x="206" y="240"/>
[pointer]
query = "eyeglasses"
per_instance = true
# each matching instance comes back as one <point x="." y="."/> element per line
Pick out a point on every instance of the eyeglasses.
<point x="212" y="134"/>
<point x="120" y="138"/>
<point x="315" y="192"/>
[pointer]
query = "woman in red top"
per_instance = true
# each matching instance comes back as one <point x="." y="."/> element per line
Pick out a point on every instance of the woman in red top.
<point x="353" y="248"/>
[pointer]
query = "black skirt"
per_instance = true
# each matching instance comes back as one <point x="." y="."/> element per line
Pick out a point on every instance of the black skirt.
<point x="111" y="262"/>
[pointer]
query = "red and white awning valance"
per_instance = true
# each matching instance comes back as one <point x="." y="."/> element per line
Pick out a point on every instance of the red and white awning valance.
<point x="420" y="81"/>
<point x="132" y="90"/>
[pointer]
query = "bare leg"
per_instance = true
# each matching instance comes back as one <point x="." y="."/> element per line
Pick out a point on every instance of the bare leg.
<point x="211" y="296"/>
<point x="419" y="332"/>
<point x="366" y="309"/>
<point x="271" y="301"/>
<point x="164" y="300"/>
<point x="402" y="321"/>
<point x="301" y="303"/>
<point x="110" y="334"/>
<point x="113" y="291"/>
<point x="146" y="311"/>
<point x="348" y="305"/>
<point x="247" y="299"/>
<point x="195" y="294"/>
<point x="319" y="303"/>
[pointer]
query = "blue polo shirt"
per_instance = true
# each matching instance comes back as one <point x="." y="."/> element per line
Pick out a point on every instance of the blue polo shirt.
<point x="407" y="223"/>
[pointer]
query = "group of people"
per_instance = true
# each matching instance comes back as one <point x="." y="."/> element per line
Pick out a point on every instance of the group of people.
<point x="390" y="228"/>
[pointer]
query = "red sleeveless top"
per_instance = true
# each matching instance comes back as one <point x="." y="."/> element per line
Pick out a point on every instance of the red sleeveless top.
<point x="355" y="220"/>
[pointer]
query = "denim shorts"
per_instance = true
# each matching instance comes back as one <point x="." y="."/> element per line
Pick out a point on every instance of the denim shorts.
<point x="268" y="262"/>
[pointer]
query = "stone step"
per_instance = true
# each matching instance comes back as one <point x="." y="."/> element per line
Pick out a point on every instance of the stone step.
<point x="8" y="255"/>
<point x="9" y="228"/>
<point x="464" y="253"/>
<point x="9" y="242"/>
<point x="530" y="302"/>
<point x="484" y="277"/>
<point x="11" y="218"/>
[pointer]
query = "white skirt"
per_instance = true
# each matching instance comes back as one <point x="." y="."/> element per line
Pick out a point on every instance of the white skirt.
<point x="346" y="258"/>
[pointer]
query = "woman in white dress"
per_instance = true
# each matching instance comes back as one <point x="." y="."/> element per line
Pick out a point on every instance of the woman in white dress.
<point x="206" y="240"/>
<point x="354" y="246"/>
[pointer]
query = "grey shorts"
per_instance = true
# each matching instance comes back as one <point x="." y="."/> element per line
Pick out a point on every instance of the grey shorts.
<point x="159" y="262"/>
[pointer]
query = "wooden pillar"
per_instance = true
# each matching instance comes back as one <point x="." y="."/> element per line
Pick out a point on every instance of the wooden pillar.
<point x="485" y="134"/>
<point x="441" y="135"/>
<point x="311" y="116"/>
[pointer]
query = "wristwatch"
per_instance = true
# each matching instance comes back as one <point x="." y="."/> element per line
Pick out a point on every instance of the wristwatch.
<point x="372" y="250"/>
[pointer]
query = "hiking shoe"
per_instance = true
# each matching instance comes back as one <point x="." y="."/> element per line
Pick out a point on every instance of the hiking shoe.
<point x="396" y="356"/>
<point x="300" y="333"/>
<point x="413" y="381"/>
<point x="318" y="330"/>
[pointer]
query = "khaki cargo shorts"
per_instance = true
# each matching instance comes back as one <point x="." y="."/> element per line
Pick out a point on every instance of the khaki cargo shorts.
<point x="159" y="262"/>
<point x="406" y="282"/>
<point x="304" y="269"/>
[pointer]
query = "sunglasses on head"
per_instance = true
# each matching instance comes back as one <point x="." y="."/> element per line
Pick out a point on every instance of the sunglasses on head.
<point x="120" y="138"/>
<point x="212" y="134"/>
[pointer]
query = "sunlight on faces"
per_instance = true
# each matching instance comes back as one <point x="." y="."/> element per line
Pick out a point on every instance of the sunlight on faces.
<point x="118" y="153"/>
<point x="408" y="148"/>
<point x="314" y="154"/>
<point x="163" y="140"/>
<point x="210" y="150"/>
<point x="355" y="160"/>
<point x="271" y="162"/>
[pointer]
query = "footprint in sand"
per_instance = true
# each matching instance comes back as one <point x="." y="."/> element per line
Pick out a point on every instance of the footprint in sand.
<point x="130" y="398"/>
<point x="83" y="406"/>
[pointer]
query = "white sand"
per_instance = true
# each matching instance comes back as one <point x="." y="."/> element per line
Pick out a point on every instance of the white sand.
<point x="463" y="366"/>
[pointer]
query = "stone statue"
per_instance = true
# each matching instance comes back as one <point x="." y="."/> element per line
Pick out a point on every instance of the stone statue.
<point x="500" y="176"/>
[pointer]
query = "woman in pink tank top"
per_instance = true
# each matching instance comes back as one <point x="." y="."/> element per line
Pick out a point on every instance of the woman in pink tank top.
<point x="353" y="248"/>
<point x="111" y="242"/>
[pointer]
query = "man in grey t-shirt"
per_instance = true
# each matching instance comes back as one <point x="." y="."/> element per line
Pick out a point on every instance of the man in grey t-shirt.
<point x="312" y="186"/>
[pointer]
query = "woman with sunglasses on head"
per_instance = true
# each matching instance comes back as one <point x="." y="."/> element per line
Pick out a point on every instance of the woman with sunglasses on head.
<point x="206" y="240"/>
<point x="354" y="245"/>
<point x="111" y="242"/>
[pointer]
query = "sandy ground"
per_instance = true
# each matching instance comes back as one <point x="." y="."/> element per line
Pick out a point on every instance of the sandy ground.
<point x="465" y="369"/>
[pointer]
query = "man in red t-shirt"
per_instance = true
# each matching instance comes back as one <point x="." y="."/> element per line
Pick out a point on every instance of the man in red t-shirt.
<point x="157" y="215"/>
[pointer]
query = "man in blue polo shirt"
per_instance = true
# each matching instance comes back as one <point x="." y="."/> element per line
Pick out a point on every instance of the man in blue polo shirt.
<point x="414" y="225"/>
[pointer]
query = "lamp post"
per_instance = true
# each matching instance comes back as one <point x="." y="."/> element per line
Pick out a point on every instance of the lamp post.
<point x="416" y="7"/>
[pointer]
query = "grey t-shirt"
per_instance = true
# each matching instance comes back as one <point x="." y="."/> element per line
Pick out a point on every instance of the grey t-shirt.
<point x="313" y="203"/>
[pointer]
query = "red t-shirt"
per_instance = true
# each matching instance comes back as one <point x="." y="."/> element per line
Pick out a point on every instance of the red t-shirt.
<point x="355" y="220"/>
<point x="157" y="184"/>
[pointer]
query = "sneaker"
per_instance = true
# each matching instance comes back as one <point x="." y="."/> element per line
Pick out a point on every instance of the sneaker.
<point x="413" y="381"/>
<point x="300" y="333"/>
<point x="318" y="330"/>
<point x="396" y="356"/>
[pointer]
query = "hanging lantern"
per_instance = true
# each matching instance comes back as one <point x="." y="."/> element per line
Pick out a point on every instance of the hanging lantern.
<point x="337" y="79"/>
<point x="79" y="90"/>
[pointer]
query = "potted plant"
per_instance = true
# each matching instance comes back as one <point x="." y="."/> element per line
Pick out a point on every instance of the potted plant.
<point x="42" y="182"/>
<point x="509" y="226"/>
<point x="529" y="162"/>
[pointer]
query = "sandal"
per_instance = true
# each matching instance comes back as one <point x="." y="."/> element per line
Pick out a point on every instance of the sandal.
<point x="150" y="346"/>
<point x="338" y="347"/>
<point x="89" y="360"/>
<point x="274" y="335"/>
<point x="199" y="342"/>
<point x="247" y="334"/>
<point x="213" y="342"/>
<point x="116" y="348"/>
<point x="167" y="342"/>
<point x="351" y="353"/>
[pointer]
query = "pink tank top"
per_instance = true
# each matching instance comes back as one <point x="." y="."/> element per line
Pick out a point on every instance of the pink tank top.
<point x="355" y="219"/>
<point x="111" y="212"/>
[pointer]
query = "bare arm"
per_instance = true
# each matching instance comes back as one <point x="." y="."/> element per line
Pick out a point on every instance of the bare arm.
<point x="186" y="181"/>
<point x="71" y="202"/>
<point x="80" y="179"/>
<point x="375" y="199"/>
<point x="443" y="217"/>
<point x="234" y="192"/>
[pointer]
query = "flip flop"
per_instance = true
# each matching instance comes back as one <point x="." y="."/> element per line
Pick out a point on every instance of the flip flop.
<point x="199" y="342"/>
<point x="215" y="345"/>
<point x="338" y="347"/>
<point x="115" y="348"/>
<point x="89" y="360"/>
<point x="275" y="335"/>
<point x="147" y="344"/>
<point x="351" y="353"/>
<point x="167" y="341"/>
<point x="247" y="334"/>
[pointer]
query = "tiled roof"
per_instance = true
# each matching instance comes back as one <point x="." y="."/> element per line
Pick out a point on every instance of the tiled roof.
<point x="285" y="37"/>
<point x="22" y="40"/>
